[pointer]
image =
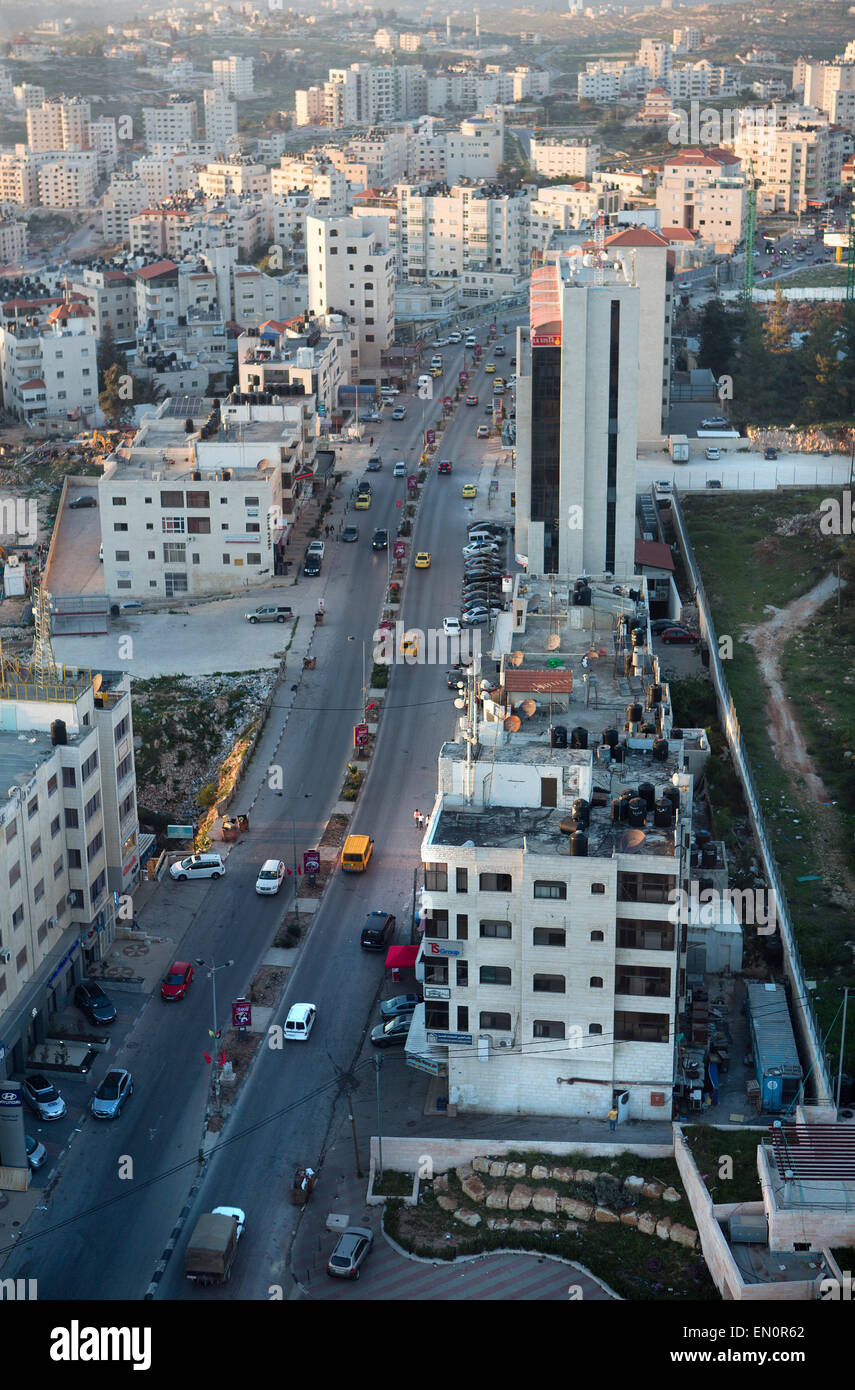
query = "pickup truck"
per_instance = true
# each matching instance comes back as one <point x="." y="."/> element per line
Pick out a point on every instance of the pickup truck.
<point x="269" y="614"/>
<point x="211" y="1248"/>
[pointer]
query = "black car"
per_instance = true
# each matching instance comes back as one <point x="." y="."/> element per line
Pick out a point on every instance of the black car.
<point x="79" y="502"/>
<point x="377" y="931"/>
<point x="363" y="487"/>
<point x="393" y="1032"/>
<point x="380" y="540"/>
<point x="97" y="1006"/>
<point x="660" y="624"/>
<point x="312" y="566"/>
<point x="374" y="464"/>
<point x="713" y="482"/>
<point x="350" y="534"/>
<point x="770" y="453"/>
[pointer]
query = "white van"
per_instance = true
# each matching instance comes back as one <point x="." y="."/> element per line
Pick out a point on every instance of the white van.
<point x="425" y="379"/>
<point x="198" y="866"/>
<point x="300" y="1021"/>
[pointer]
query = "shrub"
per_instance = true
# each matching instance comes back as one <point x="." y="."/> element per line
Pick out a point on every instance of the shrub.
<point x="208" y="795"/>
<point x="379" y="676"/>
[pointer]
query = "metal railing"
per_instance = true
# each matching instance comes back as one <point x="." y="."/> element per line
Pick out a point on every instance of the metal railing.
<point x="811" y="1032"/>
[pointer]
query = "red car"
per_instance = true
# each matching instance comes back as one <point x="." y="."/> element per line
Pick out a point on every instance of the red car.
<point x="444" y="466"/>
<point x="177" y="981"/>
<point x="677" y="634"/>
<point x="471" y="400"/>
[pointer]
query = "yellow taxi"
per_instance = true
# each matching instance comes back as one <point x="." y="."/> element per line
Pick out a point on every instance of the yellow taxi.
<point x="470" y="490"/>
<point x="490" y="367"/>
<point x="363" y="502"/>
<point x="422" y="560"/>
<point x="499" y="383"/>
<point x="436" y="372"/>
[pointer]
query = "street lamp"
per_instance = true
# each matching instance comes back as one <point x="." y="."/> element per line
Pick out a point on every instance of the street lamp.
<point x="364" y="691"/>
<point x="212" y="972"/>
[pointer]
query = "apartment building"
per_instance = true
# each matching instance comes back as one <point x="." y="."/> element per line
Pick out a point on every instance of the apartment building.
<point x="202" y="512"/>
<point x="69" y="837"/>
<point x="797" y="156"/>
<point x="126" y="196"/>
<point x="694" y="81"/>
<point x="577" y="419"/>
<point x="471" y="227"/>
<point x="27" y="95"/>
<point x="13" y="241"/>
<point x="239" y="174"/>
<point x="60" y="123"/>
<point x="234" y="75"/>
<point x="704" y="190"/>
<point x="19" y="180"/>
<point x="475" y="151"/>
<point x="68" y="179"/>
<point x="351" y="267"/>
<point x="111" y="295"/>
<point x="168" y="173"/>
<point x="221" y="121"/>
<point x="564" y="158"/>
<point x="367" y="94"/>
<point x="554" y="973"/>
<point x="174" y="122"/>
<point x="316" y="175"/>
<point x="381" y="153"/>
<point x="645" y="256"/>
<point x="830" y="88"/>
<point x="104" y="138"/>
<point x="314" y="353"/>
<point x="48" y="369"/>
<point x="687" y="40"/>
<point x="602" y="82"/>
<point x="567" y="207"/>
<point x="7" y="90"/>
<point x="658" y="57"/>
<point x="310" y="106"/>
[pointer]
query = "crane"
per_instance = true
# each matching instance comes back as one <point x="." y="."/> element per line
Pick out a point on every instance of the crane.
<point x="850" y="250"/>
<point x="750" y="232"/>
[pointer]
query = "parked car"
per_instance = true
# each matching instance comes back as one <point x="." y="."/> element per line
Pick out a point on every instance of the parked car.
<point x="713" y="482"/>
<point x="482" y="432"/>
<point x="42" y="1096"/>
<point x="111" y="1095"/>
<point x="36" y="1151"/>
<point x="498" y="351"/>
<point x="374" y="416"/>
<point x="679" y="636"/>
<point x="380" y="539"/>
<point x="399" y="413"/>
<point x="493" y="528"/>
<point x="451" y="627"/>
<point x="377" y="931"/>
<point x="455" y="337"/>
<point x="350" y="534"/>
<point x="664" y="485"/>
<point x="399" y="1005"/>
<point x="475" y="549"/>
<point x="198" y="866"/>
<point x="474" y="620"/>
<point x="770" y="453"/>
<point x="315" y="548"/>
<point x="393" y="1032"/>
<point x="715" y="422"/>
<point x="660" y="625"/>
<point x="712" y="453"/>
<point x="79" y="502"/>
<point x="270" y="613"/>
<point x="312" y="566"/>
<point x="350" y="1253"/>
<point x="91" y="999"/>
<point x="176" y="981"/>
<point x="270" y="877"/>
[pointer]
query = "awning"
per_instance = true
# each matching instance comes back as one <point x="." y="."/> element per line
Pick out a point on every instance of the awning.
<point x="401" y="957"/>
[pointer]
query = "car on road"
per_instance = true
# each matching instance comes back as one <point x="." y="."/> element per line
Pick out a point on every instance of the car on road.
<point x="399" y="413"/>
<point x="422" y="560"/>
<point x="770" y="453"/>
<point x="388" y="393"/>
<point x="198" y="866"/>
<point x="455" y="337"/>
<point x="765" y="274"/>
<point x="78" y="503"/>
<point x="380" y="539"/>
<point x="36" y="1151"/>
<point x="469" y="490"/>
<point x="111" y="1095"/>
<point x="684" y="287"/>
<point x="377" y="930"/>
<point x="444" y="466"/>
<point x="300" y="1022"/>
<point x="350" y="534"/>
<point x="471" y="341"/>
<point x="399" y="1005"/>
<point x="374" y="464"/>
<point x="678" y="636"/>
<point x="712" y="453"/>
<point x="436" y="373"/>
<point x="715" y="422"/>
<point x="400" y="469"/>
<point x="393" y="1032"/>
<point x="351" y="1251"/>
<point x="471" y="400"/>
<point x="498" y="350"/>
<point x="713" y="482"/>
<point x="482" y="432"/>
<point x="664" y="485"/>
<point x="315" y="548"/>
<point x="270" y="613"/>
<point x="435" y="362"/>
<point x="176" y="981"/>
<point x="498" y="388"/>
<point x="451" y="627"/>
<point x="270" y="877"/>
<point x="489" y="367"/>
<point x="95" y="1004"/>
<point x="363" y="502"/>
<point x="312" y="566"/>
<point x="375" y="416"/>
<point x="42" y="1096"/>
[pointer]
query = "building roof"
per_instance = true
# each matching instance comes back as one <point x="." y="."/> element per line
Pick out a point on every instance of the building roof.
<point x="679" y="234"/>
<point x="33" y="384"/>
<point x="696" y="155"/>
<point x="542" y="682"/>
<point x="544" y="300"/>
<point x="656" y="554"/>
<point x="636" y="236"/>
<point x="156" y="270"/>
<point x="63" y="312"/>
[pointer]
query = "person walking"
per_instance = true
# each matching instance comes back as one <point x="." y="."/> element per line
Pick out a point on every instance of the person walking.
<point x="417" y="818"/>
<point x="613" y="1118"/>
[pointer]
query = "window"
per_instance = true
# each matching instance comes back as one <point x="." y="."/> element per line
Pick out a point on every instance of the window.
<point x="32" y="808"/>
<point x="95" y="844"/>
<point x="57" y="868"/>
<point x="97" y="885"/>
<point x="463" y="880"/>
<point x="547" y="1028"/>
<point x="436" y="924"/>
<point x="54" y="827"/>
<point x="492" y="930"/>
<point x="495" y="883"/>
<point x="11" y="833"/>
<point x="92" y="806"/>
<point x="462" y="1018"/>
<point x="198" y="499"/>
<point x="198" y="526"/>
<point x="39" y="891"/>
<point x="122" y="556"/>
<point x="36" y="849"/>
<point x="14" y="874"/>
<point x="502" y="1022"/>
<point x="547" y="888"/>
<point x="172" y="499"/>
<point x="227" y="559"/>
<point x="52" y="785"/>
<point x="595" y="982"/>
<point x="89" y="766"/>
<point x="637" y="1027"/>
<point x="548" y="984"/>
<point x="595" y="1029"/>
<point x="124" y="768"/>
<point x="549" y="936"/>
<point x="120" y="501"/>
<point x="75" y="860"/>
<point x="171" y="525"/>
<point x="597" y="936"/>
<point x="494" y="975"/>
<point x="462" y="931"/>
<point x="71" y="820"/>
<point x="174" y="553"/>
<point x="120" y="526"/>
<point x="462" y="974"/>
<point x="18" y="915"/>
<point x="69" y="777"/>
<point x="123" y="584"/>
<point x="436" y="878"/>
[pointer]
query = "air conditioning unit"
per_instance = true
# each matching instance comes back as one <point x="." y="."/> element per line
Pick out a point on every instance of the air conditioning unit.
<point x="5" y="957"/>
<point x="53" y="922"/>
<point x="504" y="1042"/>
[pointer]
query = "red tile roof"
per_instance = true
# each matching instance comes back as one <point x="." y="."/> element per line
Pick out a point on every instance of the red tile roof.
<point x="525" y="682"/>
<point x="656" y="554"/>
<point x="32" y="384"/>
<point x="636" y="236"/>
<point x="679" y="234"/>
<point x="696" y="155"/>
<point x="155" y="271"/>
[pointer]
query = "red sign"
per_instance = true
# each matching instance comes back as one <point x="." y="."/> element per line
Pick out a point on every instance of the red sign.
<point x="399" y="550"/>
<point x="311" y="861"/>
<point x="241" y="1013"/>
<point x="412" y="482"/>
<point x="430" y="436"/>
<point x="546" y="339"/>
<point x="361" y="736"/>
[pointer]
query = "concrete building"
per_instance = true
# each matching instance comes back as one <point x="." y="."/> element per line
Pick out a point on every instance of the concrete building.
<point x="202" y="512"/>
<point x="19" y="180"/>
<point x="603" y="82"/>
<point x="174" y="122"/>
<point x="352" y="271"/>
<point x="13" y="241"/>
<point x="564" y="158"/>
<point x="704" y="190"/>
<point x="68" y="839"/>
<point x="316" y="175"/>
<point x="797" y="156"/>
<point x="310" y="106"/>
<point x="314" y="353"/>
<point x="126" y="196"/>
<point x="221" y="121"/>
<point x="60" y="123"/>
<point x="687" y="40"/>
<point x="50" y="369"/>
<point x="646" y="258"/>
<point x="111" y="295"/>
<point x="27" y="95"/>
<point x="830" y="87"/>
<point x="234" y="75"/>
<point x="165" y="174"/>
<point x="68" y="179"/>
<point x="554" y="970"/>
<point x="567" y="207"/>
<point x="239" y="174"/>
<point x="471" y="227"/>
<point x="658" y="57"/>
<point x="475" y="151"/>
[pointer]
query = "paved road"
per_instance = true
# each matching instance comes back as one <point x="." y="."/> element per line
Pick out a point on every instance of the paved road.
<point x="746" y="472"/>
<point x="112" y="1252"/>
<point x="498" y="1278"/>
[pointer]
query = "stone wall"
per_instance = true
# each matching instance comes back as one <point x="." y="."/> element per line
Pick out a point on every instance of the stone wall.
<point x="407" y="1155"/>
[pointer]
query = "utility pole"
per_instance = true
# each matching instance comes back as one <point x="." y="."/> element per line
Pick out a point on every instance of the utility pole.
<point x="215" y="1031"/>
<point x="294" y="852"/>
<point x="842" y="1045"/>
<point x="355" y="1142"/>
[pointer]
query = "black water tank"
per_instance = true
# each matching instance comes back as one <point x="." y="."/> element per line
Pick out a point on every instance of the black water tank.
<point x="654" y="696"/>
<point x="660" y="750"/>
<point x="579" y="738"/>
<point x="619" y="810"/>
<point x="663" y="814"/>
<point x="708" y="857"/>
<point x="647" y="791"/>
<point x="636" y="811"/>
<point x="695" y="858"/>
<point x="579" y="844"/>
<point x="619" y="754"/>
<point x="634" y="714"/>
<point x="672" y="794"/>
<point x="647" y="729"/>
<point x="639" y="637"/>
<point x="847" y="1089"/>
<point x="197" y="477"/>
<point x="581" y="811"/>
<point x="582" y="598"/>
<point x="611" y="737"/>
<point x="558" y="736"/>
<point x="188" y="425"/>
<point x="702" y="837"/>
<point x="676" y="734"/>
<point x="58" y="733"/>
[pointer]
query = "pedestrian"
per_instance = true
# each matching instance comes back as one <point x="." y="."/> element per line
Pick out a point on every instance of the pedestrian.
<point x="371" y="441"/>
<point x="613" y="1118"/>
<point x="417" y="818"/>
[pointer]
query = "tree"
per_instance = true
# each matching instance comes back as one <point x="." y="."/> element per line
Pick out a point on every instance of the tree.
<point x="114" y="398"/>
<point x="824" y="397"/>
<point x="108" y="354"/>
<point x="776" y="330"/>
<point x="718" y="336"/>
<point x="147" y="391"/>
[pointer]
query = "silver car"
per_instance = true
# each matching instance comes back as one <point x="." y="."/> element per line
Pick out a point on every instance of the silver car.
<point x="111" y="1095"/>
<point x="351" y="1251"/>
<point x="44" y="1098"/>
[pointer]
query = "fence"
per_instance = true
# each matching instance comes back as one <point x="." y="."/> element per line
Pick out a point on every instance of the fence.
<point x="810" y="1030"/>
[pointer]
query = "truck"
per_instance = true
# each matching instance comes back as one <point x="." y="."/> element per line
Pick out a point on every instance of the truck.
<point x="211" y="1248"/>
<point x="678" y="448"/>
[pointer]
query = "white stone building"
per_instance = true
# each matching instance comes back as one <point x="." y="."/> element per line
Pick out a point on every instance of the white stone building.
<point x="797" y="156"/>
<point x="174" y="122"/>
<point x="564" y="158"/>
<point x="234" y="75"/>
<point x="221" y="121"/>
<point x="352" y="271"/>
<point x="68" y="179"/>
<point x="471" y="227"/>
<point x="50" y="369"/>
<point x="704" y="190"/>
<point x="13" y="241"/>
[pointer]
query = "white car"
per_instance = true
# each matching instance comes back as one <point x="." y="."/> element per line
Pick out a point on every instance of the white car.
<point x="451" y="627"/>
<point x="400" y="469"/>
<point x="198" y="866"/>
<point x="480" y="548"/>
<point x="300" y="1022"/>
<point x="270" y="876"/>
<point x="315" y="548"/>
<point x="455" y="337"/>
<point x="664" y="485"/>
<point x="712" y="453"/>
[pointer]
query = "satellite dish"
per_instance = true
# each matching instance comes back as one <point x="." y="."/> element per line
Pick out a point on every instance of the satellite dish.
<point x="592" y="654"/>
<point x="517" y="658"/>
<point x="632" y="841"/>
<point x="97" y="682"/>
<point x="459" y="704"/>
<point x="485" y="685"/>
<point x="528" y="708"/>
<point x="553" y="641"/>
<point x="512" y="724"/>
